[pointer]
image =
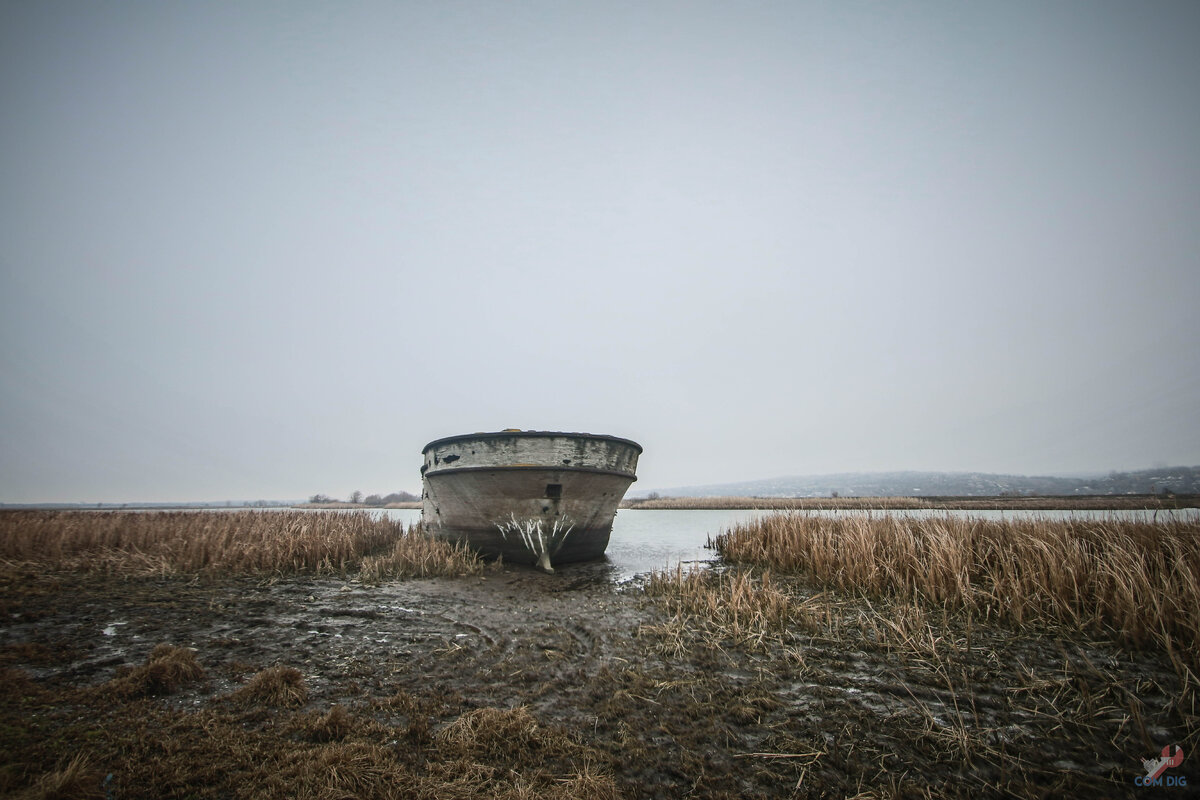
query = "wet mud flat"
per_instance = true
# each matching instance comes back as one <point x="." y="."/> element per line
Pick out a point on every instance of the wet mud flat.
<point x="518" y="684"/>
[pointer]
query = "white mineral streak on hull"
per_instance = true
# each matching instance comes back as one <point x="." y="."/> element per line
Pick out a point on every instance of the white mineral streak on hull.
<point x="527" y="496"/>
<point x="541" y="544"/>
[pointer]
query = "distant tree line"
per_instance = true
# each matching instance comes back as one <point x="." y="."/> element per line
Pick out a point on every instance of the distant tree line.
<point x="357" y="498"/>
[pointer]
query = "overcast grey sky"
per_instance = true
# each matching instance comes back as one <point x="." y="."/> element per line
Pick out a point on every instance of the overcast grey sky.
<point x="272" y="249"/>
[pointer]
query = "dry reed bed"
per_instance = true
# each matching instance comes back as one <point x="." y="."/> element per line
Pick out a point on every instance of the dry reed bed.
<point x="1137" y="580"/>
<point x="223" y="543"/>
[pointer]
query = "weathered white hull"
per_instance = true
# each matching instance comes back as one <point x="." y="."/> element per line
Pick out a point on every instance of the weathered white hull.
<point x="528" y="496"/>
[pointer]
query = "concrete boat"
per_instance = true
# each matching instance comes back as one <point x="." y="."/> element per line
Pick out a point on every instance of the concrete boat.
<point x="528" y="496"/>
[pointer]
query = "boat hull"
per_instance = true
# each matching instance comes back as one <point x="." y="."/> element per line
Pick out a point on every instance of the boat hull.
<point x="527" y="497"/>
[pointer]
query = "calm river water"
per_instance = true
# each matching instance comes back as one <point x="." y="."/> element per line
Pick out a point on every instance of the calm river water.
<point x="643" y="541"/>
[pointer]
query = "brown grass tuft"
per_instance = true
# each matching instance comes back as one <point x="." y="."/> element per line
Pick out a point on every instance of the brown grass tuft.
<point x="348" y="769"/>
<point x="354" y="768"/>
<point x="75" y="780"/>
<point x="167" y="669"/>
<point x="279" y="686"/>
<point x="586" y="785"/>
<point x="332" y="726"/>
<point x="499" y="732"/>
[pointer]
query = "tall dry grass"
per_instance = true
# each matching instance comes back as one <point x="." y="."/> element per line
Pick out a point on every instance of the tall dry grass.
<point x="1137" y="580"/>
<point x="417" y="555"/>
<point x="745" y="609"/>
<point x="221" y="543"/>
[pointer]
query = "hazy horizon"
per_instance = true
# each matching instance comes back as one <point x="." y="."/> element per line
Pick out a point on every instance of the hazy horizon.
<point x="638" y="488"/>
<point x="268" y="250"/>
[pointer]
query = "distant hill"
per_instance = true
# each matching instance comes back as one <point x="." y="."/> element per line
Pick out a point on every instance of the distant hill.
<point x="1178" y="480"/>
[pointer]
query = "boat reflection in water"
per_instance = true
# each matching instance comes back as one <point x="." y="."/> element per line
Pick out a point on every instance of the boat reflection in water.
<point x="527" y="496"/>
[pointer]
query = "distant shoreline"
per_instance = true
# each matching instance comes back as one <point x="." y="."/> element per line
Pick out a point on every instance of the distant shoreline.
<point x="1116" y="502"/>
<point x="358" y="506"/>
<point x="1120" y="502"/>
<point x="196" y="506"/>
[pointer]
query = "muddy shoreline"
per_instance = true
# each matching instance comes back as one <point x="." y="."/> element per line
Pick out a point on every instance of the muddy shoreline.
<point x="619" y="696"/>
